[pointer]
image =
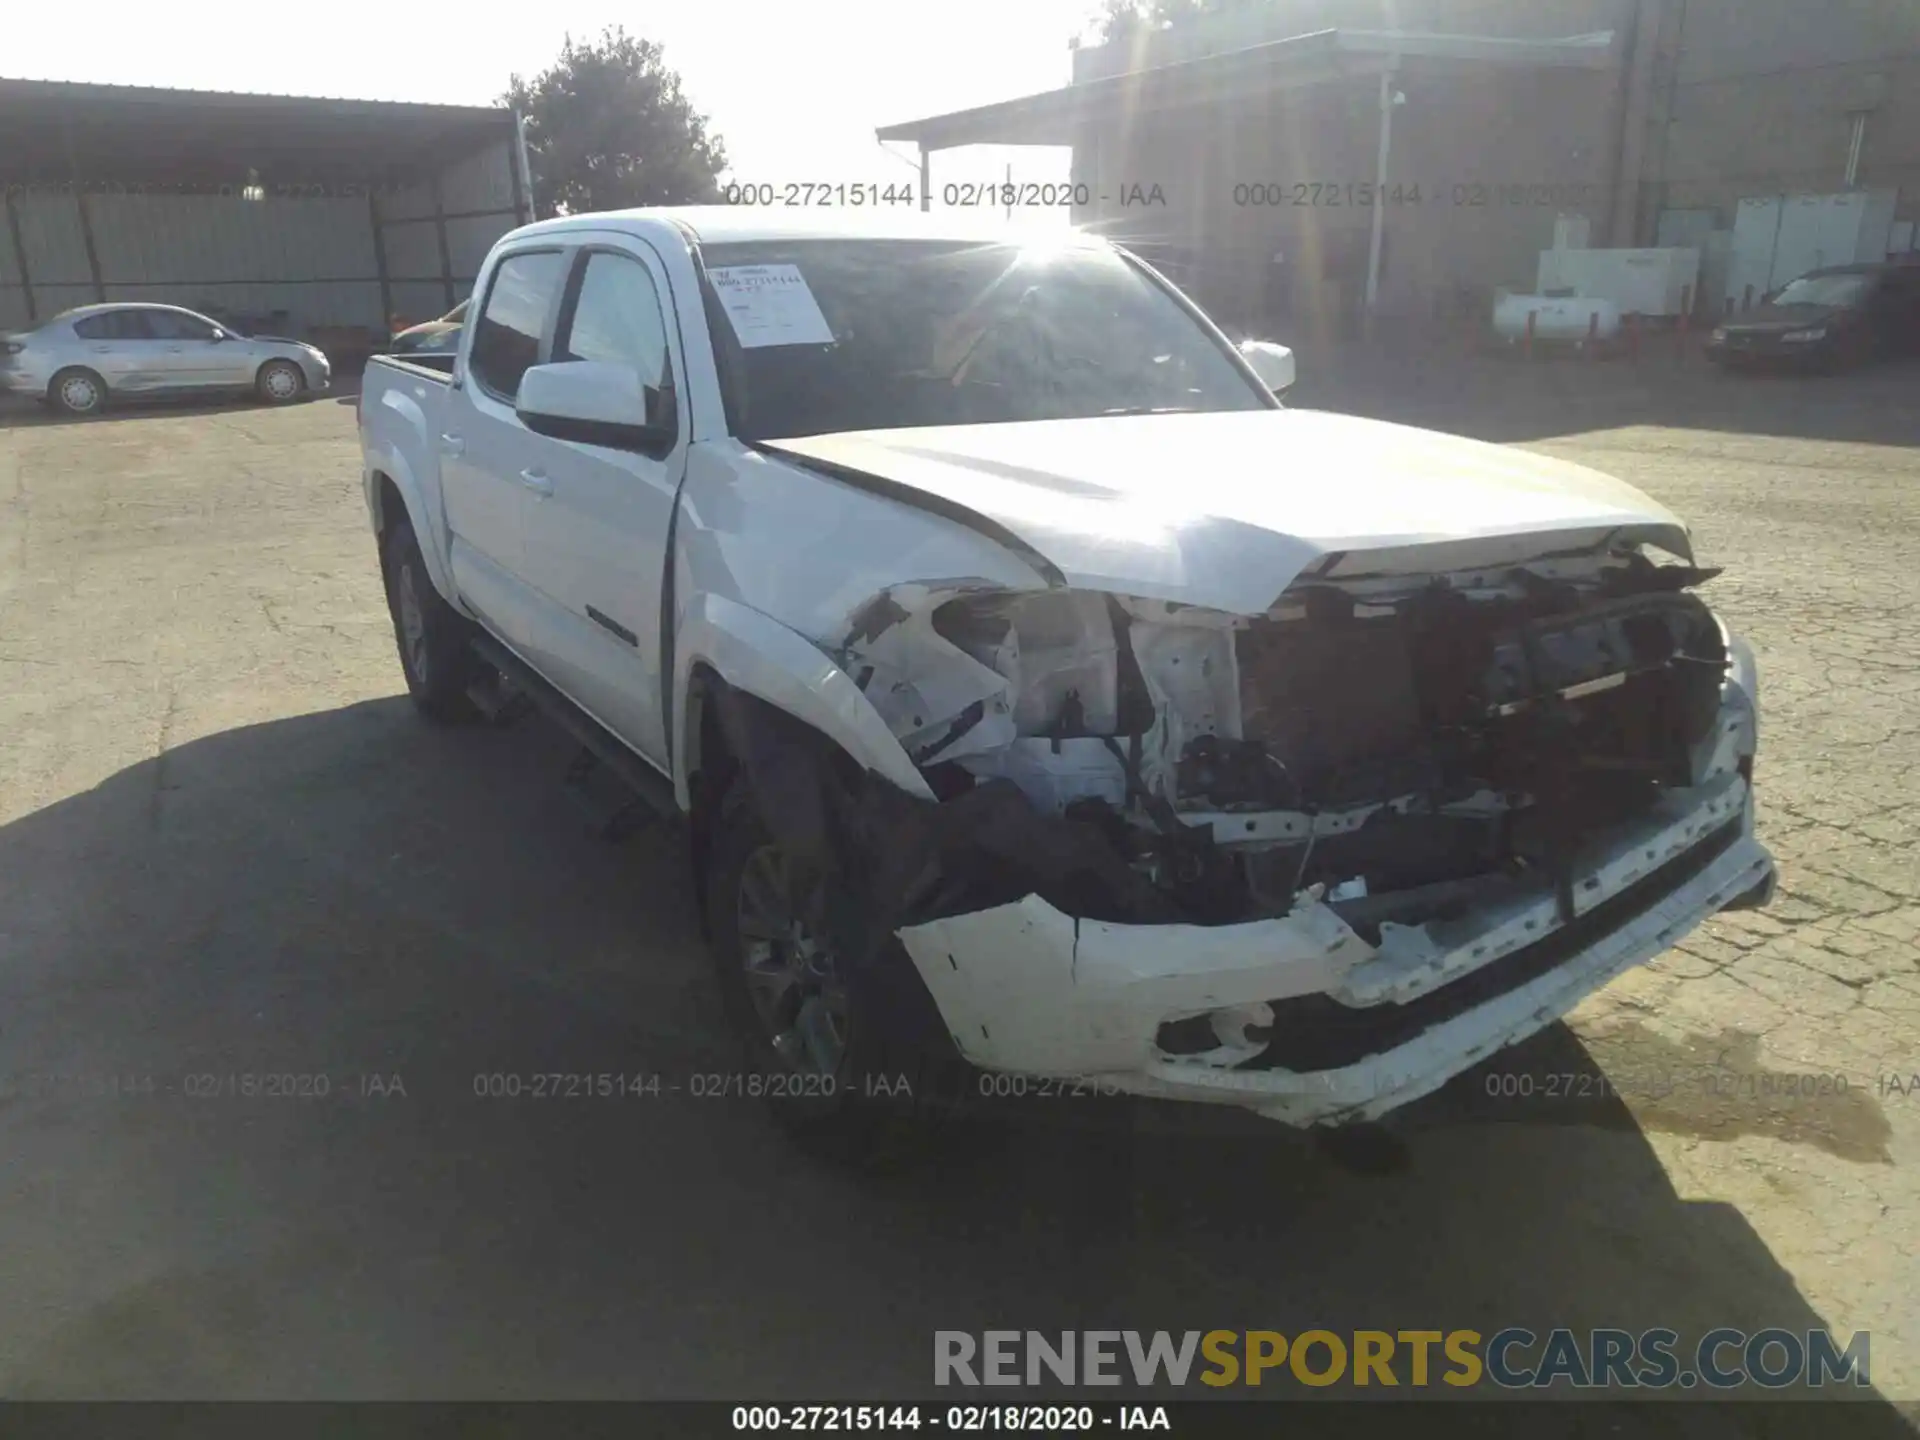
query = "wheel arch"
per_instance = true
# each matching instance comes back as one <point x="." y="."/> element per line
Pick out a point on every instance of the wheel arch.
<point x="53" y="383"/>
<point x="260" y="370"/>
<point x="393" y="494"/>
<point x="796" y="779"/>
<point x="723" y="646"/>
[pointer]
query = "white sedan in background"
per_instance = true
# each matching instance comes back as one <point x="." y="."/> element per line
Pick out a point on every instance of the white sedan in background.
<point x="81" y="359"/>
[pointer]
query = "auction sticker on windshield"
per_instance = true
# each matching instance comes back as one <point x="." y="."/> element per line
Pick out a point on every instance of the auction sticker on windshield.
<point x="770" y="305"/>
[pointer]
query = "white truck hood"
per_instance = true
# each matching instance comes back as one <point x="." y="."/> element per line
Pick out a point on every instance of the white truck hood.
<point x="1226" y="510"/>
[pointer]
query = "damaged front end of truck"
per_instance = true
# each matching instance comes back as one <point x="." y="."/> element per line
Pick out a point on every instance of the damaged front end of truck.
<point x="1312" y="862"/>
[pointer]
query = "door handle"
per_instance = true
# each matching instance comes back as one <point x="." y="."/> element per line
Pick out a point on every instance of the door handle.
<point x="537" y="482"/>
<point x="452" y="445"/>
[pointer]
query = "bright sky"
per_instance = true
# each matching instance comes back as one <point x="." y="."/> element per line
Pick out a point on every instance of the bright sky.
<point x="795" y="91"/>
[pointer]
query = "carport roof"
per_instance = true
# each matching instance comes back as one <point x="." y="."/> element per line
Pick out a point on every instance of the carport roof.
<point x="1057" y="117"/>
<point x="61" y="131"/>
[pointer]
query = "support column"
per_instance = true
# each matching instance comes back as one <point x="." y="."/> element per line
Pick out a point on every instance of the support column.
<point x="86" y="239"/>
<point x="1854" y="143"/>
<point x="380" y="257"/>
<point x="440" y="233"/>
<point x="926" y="177"/>
<point x="1379" y="189"/>
<point x="20" y="256"/>
<point x="80" y="205"/>
<point x="522" y="172"/>
<point x="1630" y="145"/>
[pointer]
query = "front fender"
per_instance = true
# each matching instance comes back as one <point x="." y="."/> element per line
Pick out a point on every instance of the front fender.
<point x="756" y="654"/>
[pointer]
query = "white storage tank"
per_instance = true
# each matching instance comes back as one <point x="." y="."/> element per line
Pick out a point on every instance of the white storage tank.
<point x="1556" y="317"/>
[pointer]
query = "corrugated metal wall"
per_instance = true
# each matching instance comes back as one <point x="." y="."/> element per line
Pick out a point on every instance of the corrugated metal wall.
<point x="315" y="257"/>
<point x="48" y="226"/>
<point x="473" y="208"/>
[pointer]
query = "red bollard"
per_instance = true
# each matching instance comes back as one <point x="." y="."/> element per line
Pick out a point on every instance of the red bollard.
<point x="1533" y="317"/>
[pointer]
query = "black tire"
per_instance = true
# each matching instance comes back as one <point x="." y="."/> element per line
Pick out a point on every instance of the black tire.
<point x="887" y="1096"/>
<point x="280" y="382"/>
<point x="66" y="389"/>
<point x="437" y="656"/>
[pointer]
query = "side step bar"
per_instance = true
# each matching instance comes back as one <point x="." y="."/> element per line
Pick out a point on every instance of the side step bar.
<point x="652" y="788"/>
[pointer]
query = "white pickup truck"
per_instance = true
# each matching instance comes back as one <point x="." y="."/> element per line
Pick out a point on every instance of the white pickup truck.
<point x="1043" y="697"/>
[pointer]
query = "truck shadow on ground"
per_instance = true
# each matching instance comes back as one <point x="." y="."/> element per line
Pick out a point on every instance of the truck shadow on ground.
<point x="351" y="894"/>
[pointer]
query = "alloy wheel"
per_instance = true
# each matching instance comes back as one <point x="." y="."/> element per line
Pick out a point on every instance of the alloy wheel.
<point x="790" y="973"/>
<point x="413" y="621"/>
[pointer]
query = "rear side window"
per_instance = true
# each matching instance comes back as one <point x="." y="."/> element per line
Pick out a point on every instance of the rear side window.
<point x="507" y="338"/>
<point x="113" y="325"/>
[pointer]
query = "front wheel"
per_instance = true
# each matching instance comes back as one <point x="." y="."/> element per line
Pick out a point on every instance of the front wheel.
<point x="280" y="382"/>
<point x="77" y="392"/>
<point x="818" y="1040"/>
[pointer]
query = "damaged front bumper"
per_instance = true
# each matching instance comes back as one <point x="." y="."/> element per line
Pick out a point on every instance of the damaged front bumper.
<point x="1314" y="1025"/>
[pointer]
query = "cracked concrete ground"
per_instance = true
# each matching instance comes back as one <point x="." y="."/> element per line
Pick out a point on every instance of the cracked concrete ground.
<point x="228" y="847"/>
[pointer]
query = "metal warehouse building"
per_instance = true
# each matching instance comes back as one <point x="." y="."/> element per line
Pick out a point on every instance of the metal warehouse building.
<point x="1652" y="119"/>
<point x="300" y="215"/>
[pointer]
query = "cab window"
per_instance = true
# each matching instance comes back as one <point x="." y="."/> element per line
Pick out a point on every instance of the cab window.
<point x="614" y="316"/>
<point x="113" y="325"/>
<point x="506" y="340"/>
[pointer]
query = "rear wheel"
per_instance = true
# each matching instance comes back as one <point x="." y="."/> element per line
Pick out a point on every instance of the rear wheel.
<point x="434" y="638"/>
<point x="280" y="382"/>
<point x="77" y="392"/>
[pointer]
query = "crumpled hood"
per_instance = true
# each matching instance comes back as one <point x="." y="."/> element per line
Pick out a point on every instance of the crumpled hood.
<point x="1226" y="510"/>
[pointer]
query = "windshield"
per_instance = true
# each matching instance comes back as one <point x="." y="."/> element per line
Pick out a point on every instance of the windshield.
<point x="1842" y="291"/>
<point x="821" y="336"/>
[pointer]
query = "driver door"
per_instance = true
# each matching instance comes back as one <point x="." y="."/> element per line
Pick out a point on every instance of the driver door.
<point x="188" y="356"/>
<point x="597" y="520"/>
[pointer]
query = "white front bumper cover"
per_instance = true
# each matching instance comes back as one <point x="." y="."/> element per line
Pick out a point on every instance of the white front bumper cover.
<point x="1026" y="989"/>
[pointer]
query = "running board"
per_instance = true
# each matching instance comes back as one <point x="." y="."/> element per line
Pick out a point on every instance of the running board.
<point x="648" y="785"/>
<point x="499" y="701"/>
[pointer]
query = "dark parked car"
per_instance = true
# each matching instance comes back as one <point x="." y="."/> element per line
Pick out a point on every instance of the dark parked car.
<point x="1828" y="319"/>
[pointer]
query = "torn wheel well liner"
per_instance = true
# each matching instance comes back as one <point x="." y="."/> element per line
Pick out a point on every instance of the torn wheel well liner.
<point x="806" y="792"/>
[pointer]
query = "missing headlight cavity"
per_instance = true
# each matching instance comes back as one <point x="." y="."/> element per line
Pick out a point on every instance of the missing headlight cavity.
<point x="1409" y="746"/>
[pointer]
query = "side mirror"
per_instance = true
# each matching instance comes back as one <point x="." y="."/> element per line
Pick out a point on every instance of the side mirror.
<point x="217" y="336"/>
<point x="597" y="404"/>
<point x="1272" y="363"/>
